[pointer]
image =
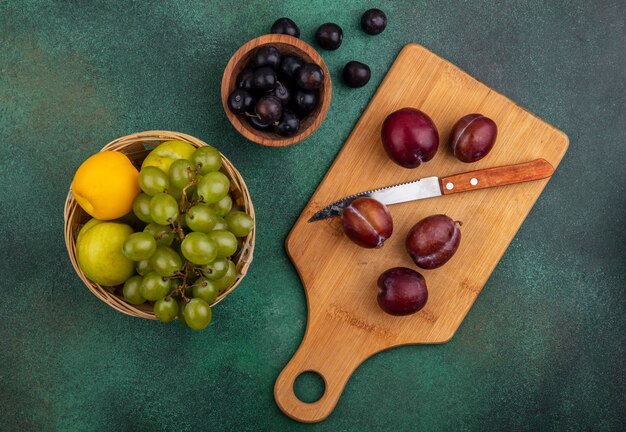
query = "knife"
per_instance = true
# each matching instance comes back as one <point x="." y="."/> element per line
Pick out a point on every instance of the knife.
<point x="434" y="186"/>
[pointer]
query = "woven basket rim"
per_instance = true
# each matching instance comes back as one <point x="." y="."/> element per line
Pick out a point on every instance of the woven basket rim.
<point x="244" y="258"/>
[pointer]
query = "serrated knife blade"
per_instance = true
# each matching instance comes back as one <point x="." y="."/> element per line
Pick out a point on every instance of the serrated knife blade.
<point x="418" y="189"/>
<point x="430" y="187"/>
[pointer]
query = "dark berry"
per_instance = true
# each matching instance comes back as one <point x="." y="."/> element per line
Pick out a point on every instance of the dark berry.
<point x="264" y="79"/>
<point x="356" y="74"/>
<point x="269" y="109"/>
<point x="267" y="55"/>
<point x="244" y="79"/>
<point x="310" y="76"/>
<point x="240" y="101"/>
<point x="285" y="26"/>
<point x="373" y="21"/>
<point x="329" y="36"/>
<point x="258" y="124"/>
<point x="304" y="101"/>
<point x="289" y="124"/>
<point x="282" y="92"/>
<point x="289" y="65"/>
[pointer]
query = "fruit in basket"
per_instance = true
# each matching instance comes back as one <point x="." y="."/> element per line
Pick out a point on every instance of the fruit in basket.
<point x="367" y="222"/>
<point x="154" y="286"/>
<point x="289" y="65"/>
<point x="402" y="291"/>
<point x="166" y="309"/>
<point x="213" y="187"/>
<point x="153" y="181"/>
<point x="433" y="241"/>
<point x="197" y="314"/>
<point x="132" y="291"/>
<point x="163" y="209"/>
<point x="139" y="246"/>
<point x="473" y="137"/>
<point x="264" y="79"/>
<point x="285" y="26"/>
<point x="183" y="253"/>
<point x="99" y="253"/>
<point x="105" y="185"/>
<point x="206" y="159"/>
<point x="289" y="124"/>
<point x="198" y="248"/>
<point x="239" y="223"/>
<point x="410" y="137"/>
<point x="166" y="153"/>
<point x="166" y="261"/>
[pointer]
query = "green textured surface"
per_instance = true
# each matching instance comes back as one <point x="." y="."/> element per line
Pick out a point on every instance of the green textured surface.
<point x="544" y="345"/>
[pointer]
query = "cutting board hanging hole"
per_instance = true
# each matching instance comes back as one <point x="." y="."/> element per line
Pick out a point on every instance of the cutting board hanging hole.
<point x="309" y="387"/>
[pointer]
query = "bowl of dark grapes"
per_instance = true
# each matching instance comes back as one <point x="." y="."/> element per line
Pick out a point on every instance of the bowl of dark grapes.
<point x="276" y="90"/>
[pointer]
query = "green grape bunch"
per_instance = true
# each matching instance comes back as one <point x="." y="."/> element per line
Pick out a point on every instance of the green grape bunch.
<point x="190" y="233"/>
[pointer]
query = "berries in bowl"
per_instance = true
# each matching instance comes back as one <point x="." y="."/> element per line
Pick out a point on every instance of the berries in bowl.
<point x="276" y="90"/>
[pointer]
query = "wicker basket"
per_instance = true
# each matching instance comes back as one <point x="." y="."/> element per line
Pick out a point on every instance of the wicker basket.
<point x="136" y="147"/>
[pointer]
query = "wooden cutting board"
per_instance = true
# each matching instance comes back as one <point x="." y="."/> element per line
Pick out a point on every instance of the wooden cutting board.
<point x="345" y="326"/>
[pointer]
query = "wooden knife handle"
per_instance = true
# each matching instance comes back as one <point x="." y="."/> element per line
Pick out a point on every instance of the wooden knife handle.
<point x="498" y="176"/>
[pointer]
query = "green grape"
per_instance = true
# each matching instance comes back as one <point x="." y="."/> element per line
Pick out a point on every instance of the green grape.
<point x="181" y="173"/>
<point x="154" y="287"/>
<point x="213" y="187"/>
<point x="141" y="207"/>
<point x="139" y="246"/>
<point x="208" y="158"/>
<point x="239" y="223"/>
<point x="165" y="261"/>
<point x="166" y="309"/>
<point x="132" y="290"/>
<point x="143" y="267"/>
<point x="199" y="248"/>
<point x="163" y="208"/>
<point x="153" y="181"/>
<point x="223" y="206"/>
<point x="215" y="269"/>
<point x="220" y="224"/>
<point x="197" y="314"/>
<point x="205" y="290"/>
<point x="201" y="218"/>
<point x="228" y="279"/>
<point x="162" y="233"/>
<point x="226" y="243"/>
<point x="175" y="192"/>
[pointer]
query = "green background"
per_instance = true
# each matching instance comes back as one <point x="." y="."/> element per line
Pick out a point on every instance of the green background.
<point x="544" y="345"/>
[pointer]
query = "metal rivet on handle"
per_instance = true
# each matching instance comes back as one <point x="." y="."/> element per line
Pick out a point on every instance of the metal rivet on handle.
<point x="449" y="186"/>
<point x="474" y="181"/>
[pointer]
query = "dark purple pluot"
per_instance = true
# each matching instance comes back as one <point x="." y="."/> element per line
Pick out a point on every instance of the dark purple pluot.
<point x="402" y="291"/>
<point x="367" y="222"/>
<point x="433" y="241"/>
<point x="256" y="123"/>
<point x="473" y="137"/>
<point x="410" y="137"/>
<point x="282" y="92"/>
<point x="285" y="26"/>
